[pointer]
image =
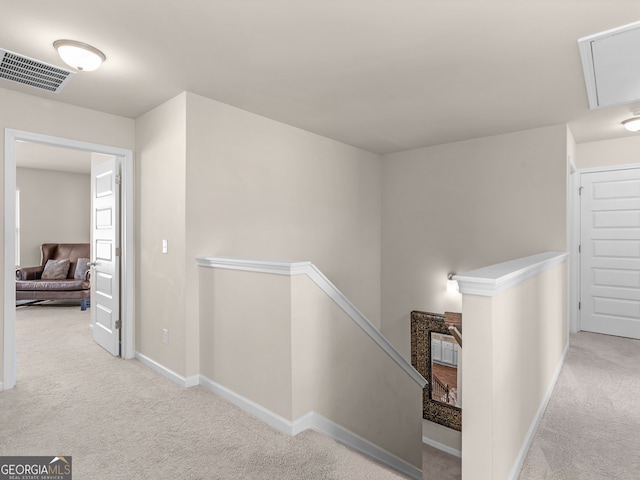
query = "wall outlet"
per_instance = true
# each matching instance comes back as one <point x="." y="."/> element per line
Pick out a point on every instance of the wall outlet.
<point x="165" y="336"/>
<point x="165" y="246"/>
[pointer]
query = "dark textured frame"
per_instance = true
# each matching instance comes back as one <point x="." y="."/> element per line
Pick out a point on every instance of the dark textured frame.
<point x="422" y="324"/>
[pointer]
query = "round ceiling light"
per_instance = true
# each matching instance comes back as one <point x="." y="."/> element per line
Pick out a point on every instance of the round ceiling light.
<point x="632" y="124"/>
<point x="79" y="55"/>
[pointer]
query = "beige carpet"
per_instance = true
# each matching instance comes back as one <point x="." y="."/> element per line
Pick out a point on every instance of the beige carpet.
<point x="120" y="420"/>
<point x="591" y="428"/>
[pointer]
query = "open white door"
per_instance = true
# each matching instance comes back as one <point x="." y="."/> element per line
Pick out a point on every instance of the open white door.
<point x="105" y="275"/>
<point x="610" y="252"/>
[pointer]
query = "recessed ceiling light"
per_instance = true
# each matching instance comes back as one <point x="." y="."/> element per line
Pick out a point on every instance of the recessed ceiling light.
<point x="79" y="55"/>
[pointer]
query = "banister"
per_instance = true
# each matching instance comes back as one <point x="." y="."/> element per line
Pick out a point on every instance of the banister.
<point x="439" y="389"/>
<point x="490" y="281"/>
<point x="280" y="267"/>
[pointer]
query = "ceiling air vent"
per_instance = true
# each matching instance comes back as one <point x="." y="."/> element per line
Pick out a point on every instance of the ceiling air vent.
<point x="611" y="67"/>
<point x="28" y="71"/>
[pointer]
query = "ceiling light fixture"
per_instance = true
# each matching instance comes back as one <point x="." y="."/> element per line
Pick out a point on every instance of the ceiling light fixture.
<point x="632" y="124"/>
<point x="79" y="55"/>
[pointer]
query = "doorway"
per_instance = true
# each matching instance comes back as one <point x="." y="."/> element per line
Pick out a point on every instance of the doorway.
<point x="610" y="251"/>
<point x="12" y="137"/>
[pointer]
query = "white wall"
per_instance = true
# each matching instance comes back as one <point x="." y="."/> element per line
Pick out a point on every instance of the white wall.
<point x="45" y="116"/>
<point x="461" y="206"/>
<point x="161" y="154"/>
<point x="217" y="180"/>
<point x="514" y="347"/>
<point x="341" y="373"/>
<point x="281" y="342"/>
<point x="54" y="208"/>
<point x="619" y="151"/>
<point x="245" y="335"/>
<point x="260" y="188"/>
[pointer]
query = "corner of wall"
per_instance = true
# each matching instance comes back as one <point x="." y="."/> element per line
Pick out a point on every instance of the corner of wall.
<point x="161" y="190"/>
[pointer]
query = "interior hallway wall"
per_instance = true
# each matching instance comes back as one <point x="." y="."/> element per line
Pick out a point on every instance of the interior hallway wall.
<point x="461" y="206"/>
<point x="258" y="188"/>
<point x="217" y="180"/>
<point x="161" y="211"/>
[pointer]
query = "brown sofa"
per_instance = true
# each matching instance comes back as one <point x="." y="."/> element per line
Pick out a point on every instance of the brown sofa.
<point x="31" y="286"/>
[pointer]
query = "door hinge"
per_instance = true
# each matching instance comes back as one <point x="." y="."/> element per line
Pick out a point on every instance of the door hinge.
<point x="118" y="179"/>
<point x="118" y="251"/>
<point x="580" y="190"/>
<point x="579" y="305"/>
<point x="118" y="324"/>
<point x="579" y="248"/>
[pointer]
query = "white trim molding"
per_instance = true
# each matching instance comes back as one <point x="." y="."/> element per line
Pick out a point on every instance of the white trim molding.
<point x="309" y="421"/>
<point x="278" y="267"/>
<point x="316" y="422"/>
<point x="261" y="413"/>
<point x="442" y="447"/>
<point x="184" y="382"/>
<point x="489" y="281"/>
<point x="307" y="268"/>
<point x="608" y="168"/>
<point x="323" y="425"/>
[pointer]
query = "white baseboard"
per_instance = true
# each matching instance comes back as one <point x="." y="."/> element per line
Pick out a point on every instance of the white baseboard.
<point x="267" y="416"/>
<point x="522" y="454"/>
<point x="323" y="425"/>
<point x="192" y="381"/>
<point x="442" y="446"/>
<point x="166" y="372"/>
<point x="311" y="420"/>
<point x="316" y="422"/>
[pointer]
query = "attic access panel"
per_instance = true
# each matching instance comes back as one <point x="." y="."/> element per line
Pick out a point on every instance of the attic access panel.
<point x="611" y="66"/>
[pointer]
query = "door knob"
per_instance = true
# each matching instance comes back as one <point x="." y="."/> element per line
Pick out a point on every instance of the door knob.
<point x="92" y="264"/>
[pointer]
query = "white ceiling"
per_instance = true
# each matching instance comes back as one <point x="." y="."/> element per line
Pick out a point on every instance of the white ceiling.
<point x="384" y="75"/>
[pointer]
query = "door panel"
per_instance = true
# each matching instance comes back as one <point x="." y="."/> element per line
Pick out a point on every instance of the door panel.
<point x="105" y="286"/>
<point x="610" y="257"/>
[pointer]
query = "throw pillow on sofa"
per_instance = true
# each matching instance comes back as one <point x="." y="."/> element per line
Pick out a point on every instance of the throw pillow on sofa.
<point x="56" y="269"/>
<point x="81" y="268"/>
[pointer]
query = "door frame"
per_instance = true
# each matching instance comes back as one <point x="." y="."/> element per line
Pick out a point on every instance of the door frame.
<point x="576" y="227"/>
<point x="127" y="271"/>
<point x="573" y="237"/>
